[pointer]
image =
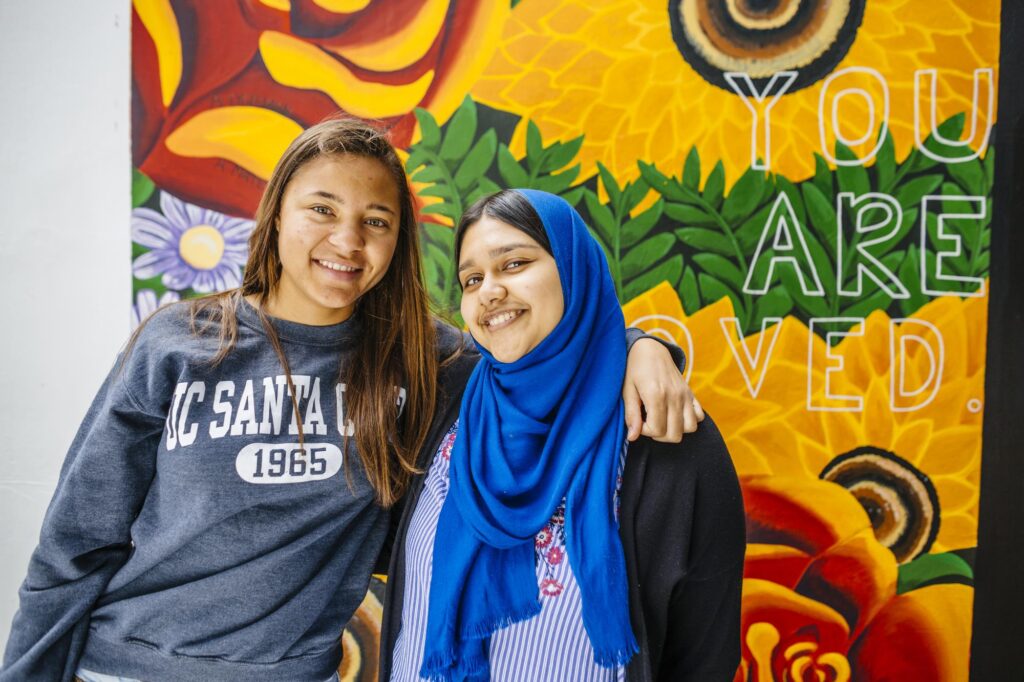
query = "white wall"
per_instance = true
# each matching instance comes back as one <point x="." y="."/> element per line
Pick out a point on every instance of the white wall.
<point x="65" y="269"/>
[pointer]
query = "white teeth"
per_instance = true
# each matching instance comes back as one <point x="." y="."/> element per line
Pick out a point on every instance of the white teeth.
<point x="502" y="318"/>
<point x="336" y="266"/>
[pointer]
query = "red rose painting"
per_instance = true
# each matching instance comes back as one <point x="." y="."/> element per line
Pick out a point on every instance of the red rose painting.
<point x="820" y="598"/>
<point x="220" y="89"/>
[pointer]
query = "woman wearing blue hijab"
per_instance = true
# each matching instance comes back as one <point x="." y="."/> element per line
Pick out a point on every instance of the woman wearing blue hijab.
<point x="537" y="546"/>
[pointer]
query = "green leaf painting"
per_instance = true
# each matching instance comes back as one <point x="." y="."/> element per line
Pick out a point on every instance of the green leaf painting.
<point x="857" y="230"/>
<point x="142" y="188"/>
<point x="931" y="569"/>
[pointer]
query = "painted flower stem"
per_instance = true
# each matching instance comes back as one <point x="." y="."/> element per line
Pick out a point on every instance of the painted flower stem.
<point x="748" y="304"/>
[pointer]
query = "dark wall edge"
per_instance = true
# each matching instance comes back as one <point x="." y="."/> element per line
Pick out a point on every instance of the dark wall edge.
<point x="996" y="650"/>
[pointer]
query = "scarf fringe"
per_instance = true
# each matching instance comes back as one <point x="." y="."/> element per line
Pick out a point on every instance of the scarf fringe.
<point x="475" y="668"/>
<point x="441" y="668"/>
<point x="616" y="658"/>
<point x="486" y="629"/>
<point x="438" y="667"/>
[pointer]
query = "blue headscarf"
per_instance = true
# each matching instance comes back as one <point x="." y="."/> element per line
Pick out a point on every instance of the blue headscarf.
<point x="547" y="427"/>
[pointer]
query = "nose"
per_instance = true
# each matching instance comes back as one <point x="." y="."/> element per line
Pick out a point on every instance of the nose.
<point x="491" y="290"/>
<point x="347" y="237"/>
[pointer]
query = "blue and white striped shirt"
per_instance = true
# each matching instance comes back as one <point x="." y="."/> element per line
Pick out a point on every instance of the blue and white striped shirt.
<point x="549" y="647"/>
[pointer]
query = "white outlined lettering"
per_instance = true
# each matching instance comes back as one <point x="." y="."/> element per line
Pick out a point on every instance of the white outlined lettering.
<point x="781" y="225"/>
<point x="967" y="144"/>
<point x="742" y="85"/>
<point x="899" y="391"/>
<point x="839" y="402"/>
<point x="857" y="208"/>
<point x="746" y="363"/>
<point x="826" y="148"/>
<point x="944" y="235"/>
<point x="668" y="335"/>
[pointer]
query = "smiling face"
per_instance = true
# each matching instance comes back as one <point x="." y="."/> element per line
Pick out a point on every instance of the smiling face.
<point x="511" y="292"/>
<point x="337" y="231"/>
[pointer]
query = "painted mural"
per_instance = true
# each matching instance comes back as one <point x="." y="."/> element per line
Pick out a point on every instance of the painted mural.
<point x="798" y="193"/>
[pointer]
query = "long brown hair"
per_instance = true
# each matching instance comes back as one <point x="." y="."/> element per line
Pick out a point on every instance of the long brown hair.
<point x="396" y="346"/>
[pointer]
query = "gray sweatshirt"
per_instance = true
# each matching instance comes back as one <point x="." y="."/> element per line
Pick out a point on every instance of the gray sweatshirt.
<point x="189" y="537"/>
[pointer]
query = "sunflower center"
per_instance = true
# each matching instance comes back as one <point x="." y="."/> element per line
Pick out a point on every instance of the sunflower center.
<point x="900" y="500"/>
<point x="201" y="247"/>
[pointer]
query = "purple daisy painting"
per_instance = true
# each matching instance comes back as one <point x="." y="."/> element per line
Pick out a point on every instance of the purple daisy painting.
<point x="190" y="247"/>
<point x="146" y="303"/>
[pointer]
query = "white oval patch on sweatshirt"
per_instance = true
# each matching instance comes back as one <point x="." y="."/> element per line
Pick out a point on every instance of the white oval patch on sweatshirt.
<point x="287" y="462"/>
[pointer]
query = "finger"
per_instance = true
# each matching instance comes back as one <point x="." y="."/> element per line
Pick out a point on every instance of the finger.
<point x="655" y="425"/>
<point x="675" y="422"/>
<point x="698" y="409"/>
<point x="634" y="416"/>
<point x="690" y="418"/>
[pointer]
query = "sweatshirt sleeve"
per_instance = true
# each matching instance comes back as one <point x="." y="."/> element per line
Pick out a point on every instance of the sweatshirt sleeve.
<point x="86" y="533"/>
<point x="678" y="356"/>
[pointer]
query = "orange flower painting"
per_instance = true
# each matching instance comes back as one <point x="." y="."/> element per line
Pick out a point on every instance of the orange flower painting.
<point x="820" y="601"/>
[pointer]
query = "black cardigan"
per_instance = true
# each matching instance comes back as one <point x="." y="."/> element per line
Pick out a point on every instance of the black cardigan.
<point x="682" y="528"/>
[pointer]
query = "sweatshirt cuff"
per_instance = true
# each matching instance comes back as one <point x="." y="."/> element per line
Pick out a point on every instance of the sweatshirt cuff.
<point x="678" y="356"/>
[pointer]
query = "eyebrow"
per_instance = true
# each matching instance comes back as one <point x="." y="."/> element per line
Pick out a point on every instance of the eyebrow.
<point x="338" y="200"/>
<point x="495" y="252"/>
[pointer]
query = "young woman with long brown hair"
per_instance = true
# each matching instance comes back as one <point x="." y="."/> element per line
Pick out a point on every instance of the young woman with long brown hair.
<point x="202" y="527"/>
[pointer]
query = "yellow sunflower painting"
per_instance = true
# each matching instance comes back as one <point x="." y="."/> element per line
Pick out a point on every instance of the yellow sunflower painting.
<point x="612" y="69"/>
<point x="916" y="471"/>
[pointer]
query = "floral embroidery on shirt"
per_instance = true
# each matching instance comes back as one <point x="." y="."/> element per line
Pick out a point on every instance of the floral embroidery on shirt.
<point x="549" y="546"/>
<point x="449" y="442"/>
<point x="544" y="537"/>
<point x="550" y="587"/>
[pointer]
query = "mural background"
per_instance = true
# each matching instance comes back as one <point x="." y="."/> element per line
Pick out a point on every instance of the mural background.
<point x="800" y="196"/>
